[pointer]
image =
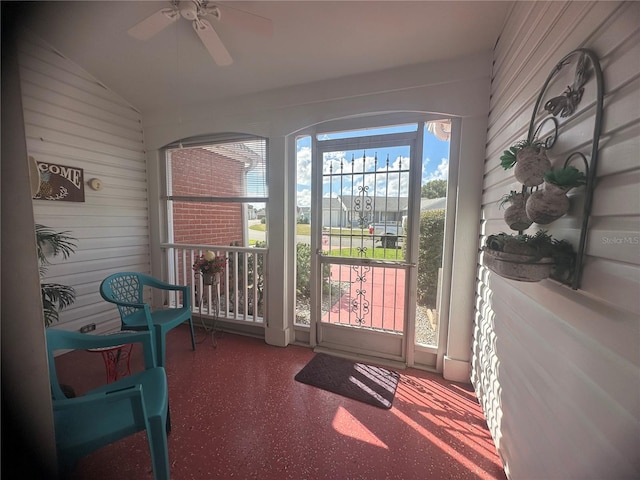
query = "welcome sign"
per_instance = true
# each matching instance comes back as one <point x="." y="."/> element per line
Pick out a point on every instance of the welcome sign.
<point x="60" y="183"/>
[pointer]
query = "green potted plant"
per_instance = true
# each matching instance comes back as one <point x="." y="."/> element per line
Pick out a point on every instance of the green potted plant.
<point x="530" y="161"/>
<point x="566" y="177"/>
<point x="55" y="296"/>
<point x="210" y="266"/>
<point x="529" y="258"/>
<point x="515" y="215"/>
<point x="551" y="203"/>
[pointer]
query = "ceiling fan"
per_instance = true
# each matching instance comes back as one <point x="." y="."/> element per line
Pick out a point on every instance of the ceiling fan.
<point x="196" y="11"/>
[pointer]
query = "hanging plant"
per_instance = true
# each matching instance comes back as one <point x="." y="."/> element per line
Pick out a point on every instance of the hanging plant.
<point x="515" y="215"/>
<point x="508" y="158"/>
<point x="551" y="203"/>
<point x="531" y="164"/>
<point x="566" y="177"/>
<point x="530" y="161"/>
<point x="529" y="258"/>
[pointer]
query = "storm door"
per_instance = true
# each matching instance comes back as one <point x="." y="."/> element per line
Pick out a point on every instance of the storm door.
<point x="362" y="217"/>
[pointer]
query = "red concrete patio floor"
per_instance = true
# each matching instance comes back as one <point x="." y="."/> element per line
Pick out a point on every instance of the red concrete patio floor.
<point x="375" y="298"/>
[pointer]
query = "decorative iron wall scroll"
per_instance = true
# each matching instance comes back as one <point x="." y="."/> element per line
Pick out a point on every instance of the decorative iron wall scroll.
<point x="587" y="68"/>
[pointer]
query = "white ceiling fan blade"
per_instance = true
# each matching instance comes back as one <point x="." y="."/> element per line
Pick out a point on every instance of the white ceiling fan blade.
<point x="239" y="18"/>
<point x="212" y="42"/>
<point x="152" y="25"/>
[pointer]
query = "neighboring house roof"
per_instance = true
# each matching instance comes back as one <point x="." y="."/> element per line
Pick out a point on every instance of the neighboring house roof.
<point x="432" y="203"/>
<point x="333" y="204"/>
<point x="380" y="204"/>
<point x="248" y="152"/>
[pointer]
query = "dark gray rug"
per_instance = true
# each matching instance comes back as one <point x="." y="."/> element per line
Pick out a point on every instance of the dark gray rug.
<point x="366" y="383"/>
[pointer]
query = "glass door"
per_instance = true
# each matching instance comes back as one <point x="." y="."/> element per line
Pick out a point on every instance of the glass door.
<point x="364" y="199"/>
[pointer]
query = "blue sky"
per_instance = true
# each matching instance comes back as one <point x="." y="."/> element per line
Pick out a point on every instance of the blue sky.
<point x="435" y="165"/>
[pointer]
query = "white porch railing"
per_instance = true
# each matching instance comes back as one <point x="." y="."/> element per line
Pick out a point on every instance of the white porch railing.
<point x="240" y="295"/>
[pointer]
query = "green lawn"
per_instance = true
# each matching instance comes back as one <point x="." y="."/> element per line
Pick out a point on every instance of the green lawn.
<point x="376" y="253"/>
<point x="302" y="229"/>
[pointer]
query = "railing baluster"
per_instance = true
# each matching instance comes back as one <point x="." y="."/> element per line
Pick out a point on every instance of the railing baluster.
<point x="245" y="285"/>
<point x="237" y="290"/>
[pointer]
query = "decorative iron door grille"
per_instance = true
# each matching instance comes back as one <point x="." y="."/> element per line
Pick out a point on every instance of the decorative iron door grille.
<point x="363" y="264"/>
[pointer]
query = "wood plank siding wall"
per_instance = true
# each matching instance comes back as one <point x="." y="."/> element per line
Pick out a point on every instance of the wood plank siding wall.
<point x="557" y="370"/>
<point x="72" y="119"/>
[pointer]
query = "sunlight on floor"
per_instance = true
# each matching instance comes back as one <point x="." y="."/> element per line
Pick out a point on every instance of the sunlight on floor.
<point x="448" y="409"/>
<point x="346" y="424"/>
<point x="435" y="440"/>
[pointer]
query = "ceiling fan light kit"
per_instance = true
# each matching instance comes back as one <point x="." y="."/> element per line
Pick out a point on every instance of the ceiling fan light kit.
<point x="195" y="11"/>
<point x="189" y="10"/>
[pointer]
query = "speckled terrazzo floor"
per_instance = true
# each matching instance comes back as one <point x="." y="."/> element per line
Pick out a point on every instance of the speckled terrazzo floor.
<point x="238" y="413"/>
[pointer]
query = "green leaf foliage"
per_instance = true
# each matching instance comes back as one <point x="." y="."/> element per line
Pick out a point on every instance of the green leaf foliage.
<point x="430" y="255"/>
<point x="566" y="177"/>
<point x="254" y="276"/>
<point x="434" y="189"/>
<point x="508" y="158"/>
<point x="508" y="197"/>
<point x="55" y="296"/>
<point x="50" y="243"/>
<point x="303" y="271"/>
<point x="538" y="246"/>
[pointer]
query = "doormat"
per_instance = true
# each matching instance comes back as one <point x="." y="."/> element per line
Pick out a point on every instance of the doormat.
<point x="365" y="383"/>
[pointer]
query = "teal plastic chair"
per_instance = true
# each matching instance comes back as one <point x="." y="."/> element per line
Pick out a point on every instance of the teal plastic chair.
<point x="113" y="411"/>
<point x="126" y="290"/>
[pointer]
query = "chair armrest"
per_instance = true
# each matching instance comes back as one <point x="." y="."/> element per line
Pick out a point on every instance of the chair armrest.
<point x="117" y="394"/>
<point x="155" y="283"/>
<point x="62" y="339"/>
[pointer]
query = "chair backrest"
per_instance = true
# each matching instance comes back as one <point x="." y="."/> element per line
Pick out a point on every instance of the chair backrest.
<point x="125" y="287"/>
<point x="128" y="287"/>
<point x="110" y="412"/>
<point x="64" y="340"/>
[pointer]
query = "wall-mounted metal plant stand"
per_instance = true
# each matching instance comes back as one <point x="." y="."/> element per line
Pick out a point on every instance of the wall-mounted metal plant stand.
<point x="564" y="105"/>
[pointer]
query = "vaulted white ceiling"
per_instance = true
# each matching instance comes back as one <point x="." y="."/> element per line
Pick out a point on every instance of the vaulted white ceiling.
<point x="311" y="41"/>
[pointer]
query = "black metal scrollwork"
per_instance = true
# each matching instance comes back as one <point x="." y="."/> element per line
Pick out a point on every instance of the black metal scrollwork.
<point x="564" y="105"/>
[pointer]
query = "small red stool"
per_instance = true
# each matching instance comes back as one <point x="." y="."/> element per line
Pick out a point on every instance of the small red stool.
<point x="117" y="358"/>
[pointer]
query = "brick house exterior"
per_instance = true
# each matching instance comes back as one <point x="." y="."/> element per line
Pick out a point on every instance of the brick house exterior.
<point x="202" y="172"/>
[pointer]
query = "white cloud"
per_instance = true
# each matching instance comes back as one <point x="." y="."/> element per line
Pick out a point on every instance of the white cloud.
<point x="424" y="167"/>
<point x="441" y="172"/>
<point x="303" y="159"/>
<point x="387" y="180"/>
<point x="303" y="198"/>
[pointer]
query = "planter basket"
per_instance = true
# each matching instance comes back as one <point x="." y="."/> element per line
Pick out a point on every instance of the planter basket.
<point x="516" y="216"/>
<point x="523" y="268"/>
<point x="548" y="205"/>
<point x="531" y="163"/>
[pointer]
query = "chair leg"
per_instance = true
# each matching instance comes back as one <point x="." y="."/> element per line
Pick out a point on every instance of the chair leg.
<point x="159" y="449"/>
<point x="168" y="426"/>
<point x="160" y="345"/>
<point x="193" y="338"/>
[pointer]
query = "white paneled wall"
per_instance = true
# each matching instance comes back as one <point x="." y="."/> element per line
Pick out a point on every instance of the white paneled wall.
<point x="72" y="119"/>
<point x="556" y="370"/>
